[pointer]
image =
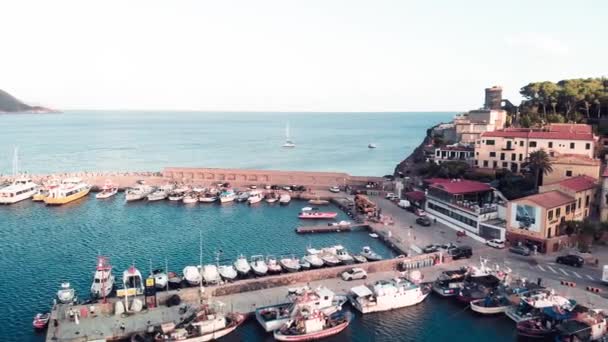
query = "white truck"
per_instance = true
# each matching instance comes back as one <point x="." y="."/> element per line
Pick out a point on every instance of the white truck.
<point x="605" y="274"/>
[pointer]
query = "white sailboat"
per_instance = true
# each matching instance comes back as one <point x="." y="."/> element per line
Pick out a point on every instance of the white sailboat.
<point x="288" y="142"/>
<point x="22" y="187"/>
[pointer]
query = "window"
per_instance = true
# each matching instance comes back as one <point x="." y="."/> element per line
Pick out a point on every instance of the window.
<point x="438" y="153"/>
<point x="568" y="209"/>
<point x="505" y="164"/>
<point x="572" y="146"/>
<point x="587" y="201"/>
<point x="558" y="212"/>
<point x="502" y="156"/>
<point x="495" y="163"/>
<point x="550" y="144"/>
<point x="521" y="143"/>
<point x="569" y="173"/>
<point x="532" y="144"/>
<point x="513" y="156"/>
<point x="549" y="233"/>
<point x="485" y="163"/>
<point x="492" y="154"/>
<point x="552" y="154"/>
<point x="587" y="146"/>
<point x="550" y="215"/>
<point x="489" y="142"/>
<point x="476" y="162"/>
<point x="574" y="205"/>
<point x="477" y="153"/>
<point x="521" y="157"/>
<point x="579" y="203"/>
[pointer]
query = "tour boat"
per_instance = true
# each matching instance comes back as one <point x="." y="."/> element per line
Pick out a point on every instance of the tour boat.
<point x="532" y="304"/>
<point x="288" y="142"/>
<point x="21" y="189"/>
<point x="161" y="279"/>
<point x="343" y="255"/>
<point x="273" y="264"/>
<point x="132" y="279"/>
<point x="66" y="293"/>
<point x="69" y="190"/>
<point x="290" y="263"/>
<point x="228" y="272"/>
<point x="334" y="189"/>
<point x="108" y="190"/>
<point x="309" y="213"/>
<point x="370" y="255"/>
<point x="227" y="196"/>
<point x="192" y="275"/>
<point x="137" y="193"/>
<point x="242" y="266"/>
<point x="284" y="199"/>
<point x="208" y="324"/>
<point x="103" y="279"/>
<point x="258" y="265"/>
<point x="387" y="295"/>
<point x="314" y="260"/>
<point x="449" y="282"/>
<point x="273" y="317"/>
<point x="311" y="325"/>
<point x="211" y="274"/>
<point x="491" y="305"/>
<point x="190" y="198"/>
<point x="255" y="197"/>
<point x="41" y="320"/>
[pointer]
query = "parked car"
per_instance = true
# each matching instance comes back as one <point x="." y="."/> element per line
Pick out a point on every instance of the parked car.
<point x="404" y="204"/>
<point x="460" y="252"/>
<point x="354" y="273"/>
<point x="521" y="250"/>
<point x="390" y="195"/>
<point x="419" y="212"/>
<point x="432" y="248"/>
<point x="571" y="260"/>
<point x="496" y="243"/>
<point x="423" y="221"/>
<point x="448" y="246"/>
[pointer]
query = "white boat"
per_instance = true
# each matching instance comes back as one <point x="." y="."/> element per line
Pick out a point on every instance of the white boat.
<point x="211" y="274"/>
<point x="227" y="196"/>
<point x="273" y="317"/>
<point x="132" y="279"/>
<point x="103" y="279"/>
<point x="326" y="255"/>
<point x="491" y="305"/>
<point x="137" y="193"/>
<point x="69" y="190"/>
<point x="531" y="304"/>
<point x="161" y="279"/>
<point x="314" y="260"/>
<point x="334" y="189"/>
<point x="190" y="198"/>
<point x="258" y="265"/>
<point x="311" y="325"/>
<point x="359" y="258"/>
<point x="290" y="263"/>
<point x="242" y="266"/>
<point x="192" y="275"/>
<point x="288" y="142"/>
<point x="158" y="195"/>
<point x="372" y="146"/>
<point x="373" y="235"/>
<point x="177" y="194"/>
<point x="285" y="198"/>
<point x="369" y="254"/>
<point x="66" y="294"/>
<point x="207" y="198"/>
<point x="343" y="255"/>
<point x="273" y="264"/>
<point x="108" y="190"/>
<point x="387" y="295"/>
<point x="22" y="188"/>
<point x="255" y="197"/>
<point x="228" y="272"/>
<point x="242" y="197"/>
<point x="271" y="198"/>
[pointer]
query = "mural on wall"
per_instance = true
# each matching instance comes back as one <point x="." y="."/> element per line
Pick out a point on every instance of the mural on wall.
<point x="526" y="217"/>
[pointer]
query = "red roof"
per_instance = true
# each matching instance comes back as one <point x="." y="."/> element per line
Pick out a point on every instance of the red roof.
<point x="550" y="199"/>
<point x="553" y="131"/>
<point x="578" y="183"/>
<point x="462" y="186"/>
<point x="415" y="196"/>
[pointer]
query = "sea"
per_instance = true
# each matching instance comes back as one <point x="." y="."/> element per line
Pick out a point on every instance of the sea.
<point x="40" y="246"/>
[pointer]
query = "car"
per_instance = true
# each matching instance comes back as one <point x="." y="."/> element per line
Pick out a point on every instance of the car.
<point x="419" y="212"/>
<point x="448" y="246"/>
<point x="571" y="260"/>
<point x="389" y="195"/>
<point x="521" y="250"/>
<point x="496" y="243"/>
<point x="460" y="252"/>
<point x="432" y="248"/>
<point x="354" y="273"/>
<point x="423" y="221"/>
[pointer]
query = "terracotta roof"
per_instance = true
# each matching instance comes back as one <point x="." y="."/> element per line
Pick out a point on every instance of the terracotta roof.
<point x="578" y="183"/>
<point x="578" y="159"/>
<point x="564" y="127"/>
<point x="462" y="187"/>
<point x="549" y="199"/>
<point x="553" y="131"/>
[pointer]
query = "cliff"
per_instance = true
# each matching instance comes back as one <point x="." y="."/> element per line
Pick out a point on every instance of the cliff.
<point x="9" y="104"/>
<point x="407" y="167"/>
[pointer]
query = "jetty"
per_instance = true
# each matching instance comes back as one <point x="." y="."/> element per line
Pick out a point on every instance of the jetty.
<point x="329" y="228"/>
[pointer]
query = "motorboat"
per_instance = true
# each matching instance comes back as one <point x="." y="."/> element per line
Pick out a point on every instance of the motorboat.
<point x="370" y="255"/>
<point x="290" y="263"/>
<point x="22" y="188"/>
<point x="359" y="258"/>
<point x="175" y="281"/>
<point x="190" y="198"/>
<point x="227" y="196"/>
<point x="310" y="213"/>
<point x="304" y="265"/>
<point x="449" y="282"/>
<point x="387" y="295"/>
<point x="66" y="294"/>
<point x="314" y="260"/>
<point x="161" y="279"/>
<point x="103" y="279"/>
<point x="334" y="189"/>
<point x="242" y="196"/>
<point x="258" y="265"/>
<point x="211" y="274"/>
<point x="177" y="194"/>
<point x="242" y="266"/>
<point x="288" y="142"/>
<point x="207" y="324"/>
<point x="273" y="264"/>
<point x="271" y="197"/>
<point x="284" y="199"/>
<point x="371" y="146"/>
<point x="343" y="255"/>
<point x="137" y="193"/>
<point x="273" y="317"/>
<point x="108" y="190"/>
<point x="309" y="325"/>
<point x="41" y="320"/>
<point x="159" y="194"/>
<point x="228" y="272"/>
<point x="491" y="305"/>
<point x="344" y="224"/>
<point x="532" y="304"/>
<point x="132" y="279"/>
<point x="255" y="197"/>
<point x="69" y="190"/>
<point x="192" y="275"/>
<point x="373" y="235"/>
<point x="327" y="255"/>
<point x="208" y="198"/>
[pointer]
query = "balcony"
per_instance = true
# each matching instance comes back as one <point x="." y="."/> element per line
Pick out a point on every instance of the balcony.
<point x="467" y="206"/>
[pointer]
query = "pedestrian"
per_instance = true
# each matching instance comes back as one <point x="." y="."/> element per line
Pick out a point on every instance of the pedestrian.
<point x="122" y="326"/>
<point x="434" y="220"/>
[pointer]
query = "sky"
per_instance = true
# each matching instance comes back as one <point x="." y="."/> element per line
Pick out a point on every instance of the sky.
<point x="286" y="55"/>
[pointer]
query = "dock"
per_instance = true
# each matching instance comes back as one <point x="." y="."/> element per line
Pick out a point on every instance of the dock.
<point x="329" y="229"/>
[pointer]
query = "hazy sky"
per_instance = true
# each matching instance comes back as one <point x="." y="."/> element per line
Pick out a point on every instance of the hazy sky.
<point x="288" y="55"/>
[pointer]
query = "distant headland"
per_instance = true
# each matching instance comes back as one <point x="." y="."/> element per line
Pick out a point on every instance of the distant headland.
<point x="10" y="104"/>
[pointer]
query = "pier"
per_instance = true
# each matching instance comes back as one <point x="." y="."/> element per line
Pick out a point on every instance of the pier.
<point x="329" y="229"/>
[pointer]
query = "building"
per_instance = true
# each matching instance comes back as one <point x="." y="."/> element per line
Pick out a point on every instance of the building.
<point x="462" y="153"/>
<point x="493" y="98"/>
<point x="510" y="148"/>
<point x="583" y="189"/>
<point x="469" y="126"/>
<point x="572" y="165"/>
<point x="465" y="205"/>
<point x="603" y="197"/>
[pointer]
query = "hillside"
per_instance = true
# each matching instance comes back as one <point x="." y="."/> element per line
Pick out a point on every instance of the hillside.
<point x="10" y="104"/>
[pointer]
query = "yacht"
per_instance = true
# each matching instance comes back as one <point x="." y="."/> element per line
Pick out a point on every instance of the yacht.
<point x="103" y="279"/>
<point x="258" y="265"/>
<point x="288" y="142"/>
<point x="242" y="266"/>
<point x="21" y="189"/>
<point x="108" y="190"/>
<point x="387" y="295"/>
<point x="369" y="254"/>
<point x="284" y="199"/>
<point x="228" y="272"/>
<point x="255" y="197"/>
<point x="69" y="190"/>
<point x="211" y="274"/>
<point x="66" y="294"/>
<point x="227" y="196"/>
<point x="140" y="191"/>
<point x="132" y="279"/>
<point x="192" y="275"/>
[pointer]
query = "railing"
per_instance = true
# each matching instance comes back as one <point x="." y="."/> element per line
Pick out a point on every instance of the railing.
<point x="475" y="209"/>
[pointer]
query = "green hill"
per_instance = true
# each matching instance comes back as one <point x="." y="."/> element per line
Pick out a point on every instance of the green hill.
<point x="9" y="104"/>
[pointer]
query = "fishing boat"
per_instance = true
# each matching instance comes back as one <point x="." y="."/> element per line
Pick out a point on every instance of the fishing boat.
<point x="66" y="294"/>
<point x="132" y="279"/>
<point x="158" y="194"/>
<point x="208" y="324"/>
<point x="140" y="191"/>
<point x="532" y="304"/>
<point x="192" y="275"/>
<point x="310" y="325"/>
<point x="343" y="255"/>
<point x="544" y="325"/>
<point x="108" y="190"/>
<point x="21" y="189"/>
<point x="227" y="196"/>
<point x="255" y="197"/>
<point x="208" y="198"/>
<point x="258" y="265"/>
<point x="161" y="279"/>
<point x="242" y="266"/>
<point x="290" y="263"/>
<point x="273" y="317"/>
<point x="41" y="320"/>
<point x="387" y="295"/>
<point x="491" y="305"/>
<point x="288" y="142"/>
<point x="103" y="279"/>
<point x="284" y="199"/>
<point x="228" y="272"/>
<point x="69" y="190"/>
<point x="314" y="260"/>
<point x="273" y="264"/>
<point x="242" y="196"/>
<point x="190" y="198"/>
<point x="369" y="254"/>
<point x="177" y="194"/>
<point x="449" y="282"/>
<point x="587" y="325"/>
<point x="359" y="258"/>
<point x="310" y="213"/>
<point x="211" y="274"/>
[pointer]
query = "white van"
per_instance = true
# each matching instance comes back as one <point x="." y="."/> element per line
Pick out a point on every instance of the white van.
<point x="404" y="204"/>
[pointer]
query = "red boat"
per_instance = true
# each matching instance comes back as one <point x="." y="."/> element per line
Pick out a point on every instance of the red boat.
<point x="41" y="320"/>
<point x="317" y="215"/>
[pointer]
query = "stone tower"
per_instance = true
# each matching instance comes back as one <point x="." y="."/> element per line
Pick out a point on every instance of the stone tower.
<point x="493" y="98"/>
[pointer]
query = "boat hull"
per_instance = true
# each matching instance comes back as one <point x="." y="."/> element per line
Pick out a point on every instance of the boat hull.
<point x="487" y="310"/>
<point x="312" y="336"/>
<point x="64" y="200"/>
<point x="17" y="198"/>
<point x="393" y="305"/>
<point x="104" y="195"/>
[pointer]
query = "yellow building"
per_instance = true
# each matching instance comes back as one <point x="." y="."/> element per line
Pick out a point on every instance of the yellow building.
<point x="571" y="165"/>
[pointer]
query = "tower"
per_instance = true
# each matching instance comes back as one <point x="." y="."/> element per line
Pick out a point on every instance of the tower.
<point x="493" y="98"/>
<point x="604" y="197"/>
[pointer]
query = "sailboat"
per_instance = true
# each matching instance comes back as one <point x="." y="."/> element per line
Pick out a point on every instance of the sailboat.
<point x="288" y="142"/>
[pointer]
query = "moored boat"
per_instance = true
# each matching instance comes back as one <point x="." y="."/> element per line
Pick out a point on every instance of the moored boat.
<point x="343" y="255"/>
<point x="314" y="260"/>
<point x="449" y="282"/>
<point x="242" y="266"/>
<point x="66" y="294"/>
<point x="41" y="320"/>
<point x="387" y="295"/>
<point x="21" y="189"/>
<point x="587" y="325"/>
<point x="273" y="264"/>
<point x="532" y="304"/>
<point x="69" y="190"/>
<point x="258" y="265"/>
<point x="140" y="191"/>
<point x="190" y="198"/>
<point x="192" y="275"/>
<point x="228" y="272"/>
<point x="255" y="197"/>
<point x="132" y="279"/>
<point x="359" y="258"/>
<point x="369" y="254"/>
<point x="285" y="198"/>
<point x="175" y="281"/>
<point x="290" y="263"/>
<point x="103" y="279"/>
<point x="108" y="190"/>
<point x="227" y="196"/>
<point x="312" y="325"/>
<point x="161" y="279"/>
<point x="491" y="305"/>
<point x="318" y="201"/>
<point x="316" y="215"/>
<point x="242" y="196"/>
<point x="211" y="274"/>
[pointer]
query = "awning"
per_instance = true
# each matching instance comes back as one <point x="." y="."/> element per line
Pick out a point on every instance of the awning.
<point x="417" y="196"/>
<point x="361" y="291"/>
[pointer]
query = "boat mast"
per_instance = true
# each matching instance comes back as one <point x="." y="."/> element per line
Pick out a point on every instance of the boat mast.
<point x="15" y="161"/>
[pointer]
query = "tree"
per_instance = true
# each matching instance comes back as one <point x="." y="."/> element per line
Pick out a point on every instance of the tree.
<point x="539" y="164"/>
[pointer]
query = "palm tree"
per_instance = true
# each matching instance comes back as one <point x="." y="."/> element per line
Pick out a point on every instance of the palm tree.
<point x="539" y="163"/>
